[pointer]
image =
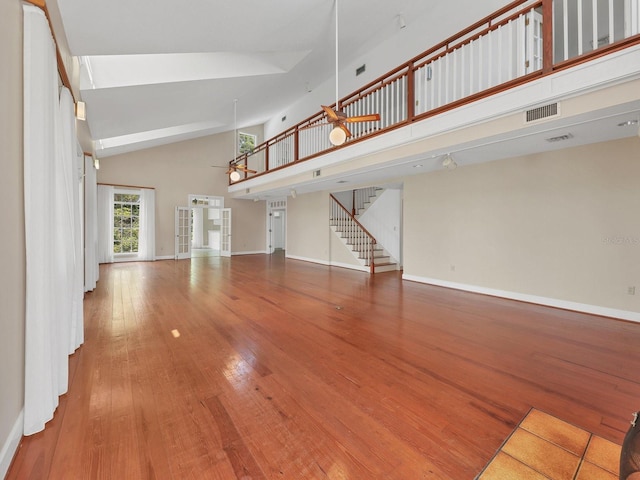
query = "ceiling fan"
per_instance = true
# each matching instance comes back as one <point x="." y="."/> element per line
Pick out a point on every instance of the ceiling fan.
<point x="239" y="168"/>
<point x="234" y="170"/>
<point x="337" y="118"/>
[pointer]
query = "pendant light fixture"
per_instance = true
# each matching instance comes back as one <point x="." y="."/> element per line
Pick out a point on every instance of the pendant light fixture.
<point x="337" y="136"/>
<point x="235" y="175"/>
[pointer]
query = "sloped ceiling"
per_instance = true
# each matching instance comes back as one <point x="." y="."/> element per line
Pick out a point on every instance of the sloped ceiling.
<point x="154" y="72"/>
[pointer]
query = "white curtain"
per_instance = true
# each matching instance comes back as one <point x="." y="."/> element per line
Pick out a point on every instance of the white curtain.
<point x="91" y="268"/>
<point x="105" y="224"/>
<point x="53" y="310"/>
<point x="147" y="237"/>
<point x="70" y="238"/>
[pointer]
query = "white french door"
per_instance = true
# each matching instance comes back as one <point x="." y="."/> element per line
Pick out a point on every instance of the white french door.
<point x="183" y="233"/>
<point x="225" y="233"/>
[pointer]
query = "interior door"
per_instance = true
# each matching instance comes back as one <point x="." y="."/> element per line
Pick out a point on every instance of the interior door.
<point x="225" y="233"/>
<point x="183" y="233"/>
<point x="278" y="228"/>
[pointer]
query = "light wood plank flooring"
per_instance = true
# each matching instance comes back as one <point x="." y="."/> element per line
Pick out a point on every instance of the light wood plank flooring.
<point x="289" y="370"/>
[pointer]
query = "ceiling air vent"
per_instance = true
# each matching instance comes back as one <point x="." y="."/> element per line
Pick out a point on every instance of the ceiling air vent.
<point x="540" y="113"/>
<point x="316" y="173"/>
<point x="560" y="138"/>
<point x="248" y="190"/>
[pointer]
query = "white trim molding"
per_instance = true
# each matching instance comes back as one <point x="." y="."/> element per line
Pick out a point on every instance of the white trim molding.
<point x="523" y="297"/>
<point x="257" y="252"/>
<point x="11" y="445"/>
<point x="328" y="263"/>
<point x="306" y="259"/>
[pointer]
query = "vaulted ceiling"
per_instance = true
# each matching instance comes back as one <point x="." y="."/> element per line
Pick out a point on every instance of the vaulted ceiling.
<point x="154" y="72"/>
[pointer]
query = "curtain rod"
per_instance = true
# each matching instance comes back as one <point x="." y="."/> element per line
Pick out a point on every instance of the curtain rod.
<point x="62" y="71"/>
<point x="124" y="186"/>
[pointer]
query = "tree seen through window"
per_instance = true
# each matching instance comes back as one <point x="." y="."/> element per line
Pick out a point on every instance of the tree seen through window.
<point x="246" y="143"/>
<point x="126" y="222"/>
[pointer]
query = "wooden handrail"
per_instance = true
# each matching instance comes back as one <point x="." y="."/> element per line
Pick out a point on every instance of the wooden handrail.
<point x="372" y="267"/>
<point x="477" y="30"/>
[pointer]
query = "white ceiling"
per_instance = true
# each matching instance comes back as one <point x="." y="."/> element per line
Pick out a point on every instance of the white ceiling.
<point x="155" y="72"/>
<point x="161" y="71"/>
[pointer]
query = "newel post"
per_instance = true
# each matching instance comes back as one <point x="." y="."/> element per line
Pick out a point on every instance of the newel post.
<point x="411" y="93"/>
<point x="547" y="36"/>
<point x="372" y="266"/>
<point x="353" y="203"/>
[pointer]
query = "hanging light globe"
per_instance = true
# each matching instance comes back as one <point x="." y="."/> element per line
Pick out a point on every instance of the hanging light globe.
<point x="337" y="136"/>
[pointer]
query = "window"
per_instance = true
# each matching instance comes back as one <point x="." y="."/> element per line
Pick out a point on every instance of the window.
<point x="246" y="142"/>
<point x="126" y="222"/>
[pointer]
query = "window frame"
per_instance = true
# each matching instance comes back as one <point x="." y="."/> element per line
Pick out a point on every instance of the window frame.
<point x="116" y="203"/>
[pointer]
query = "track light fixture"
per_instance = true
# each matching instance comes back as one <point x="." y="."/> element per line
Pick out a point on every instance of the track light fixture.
<point x="449" y="162"/>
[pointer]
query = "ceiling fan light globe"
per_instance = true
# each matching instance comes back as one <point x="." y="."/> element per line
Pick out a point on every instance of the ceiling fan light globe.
<point x="337" y="136"/>
<point x="234" y="176"/>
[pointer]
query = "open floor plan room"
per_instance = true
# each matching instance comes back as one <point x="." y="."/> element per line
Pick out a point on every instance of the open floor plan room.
<point x="258" y="366"/>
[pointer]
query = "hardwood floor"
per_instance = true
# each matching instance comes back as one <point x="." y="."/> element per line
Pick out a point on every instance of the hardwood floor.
<point x="290" y="370"/>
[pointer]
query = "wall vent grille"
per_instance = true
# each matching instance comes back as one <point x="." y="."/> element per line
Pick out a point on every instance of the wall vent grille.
<point x="560" y="138"/>
<point x="540" y="113"/>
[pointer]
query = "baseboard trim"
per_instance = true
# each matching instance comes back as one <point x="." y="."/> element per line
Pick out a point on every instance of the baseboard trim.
<point x="305" y="259"/>
<point x="257" y="252"/>
<point x="166" y="257"/>
<point x="522" y="297"/>
<point x="350" y="266"/>
<point x="11" y="445"/>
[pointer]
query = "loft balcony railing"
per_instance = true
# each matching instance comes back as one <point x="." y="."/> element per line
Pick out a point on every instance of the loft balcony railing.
<point x="519" y="43"/>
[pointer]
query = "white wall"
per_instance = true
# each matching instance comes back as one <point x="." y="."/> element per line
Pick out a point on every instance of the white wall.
<point x="562" y="225"/>
<point x="559" y="228"/>
<point x="179" y="169"/>
<point x="12" y="254"/>
<point x="308" y="232"/>
<point x="383" y="219"/>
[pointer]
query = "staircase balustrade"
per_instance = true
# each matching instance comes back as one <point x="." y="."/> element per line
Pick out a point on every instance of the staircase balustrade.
<point x="357" y="236"/>
<point x="512" y="46"/>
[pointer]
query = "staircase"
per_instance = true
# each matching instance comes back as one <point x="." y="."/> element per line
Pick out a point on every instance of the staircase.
<point x="363" y="198"/>
<point x="356" y="237"/>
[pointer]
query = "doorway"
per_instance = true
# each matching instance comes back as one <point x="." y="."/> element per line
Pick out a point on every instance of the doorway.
<point x="205" y="232"/>
<point x="203" y="229"/>
<point x="277" y="226"/>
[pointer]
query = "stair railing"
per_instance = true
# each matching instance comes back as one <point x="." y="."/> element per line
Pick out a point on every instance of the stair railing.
<point x="361" y="197"/>
<point x="358" y="236"/>
<point x="514" y="45"/>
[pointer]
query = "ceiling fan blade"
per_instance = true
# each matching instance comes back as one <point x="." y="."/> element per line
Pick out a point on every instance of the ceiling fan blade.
<point x="346" y="130"/>
<point x="243" y="168"/>
<point x="331" y="114"/>
<point x="363" y="118"/>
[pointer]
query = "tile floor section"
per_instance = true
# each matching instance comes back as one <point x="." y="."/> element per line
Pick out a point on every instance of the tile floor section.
<point x="544" y="447"/>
